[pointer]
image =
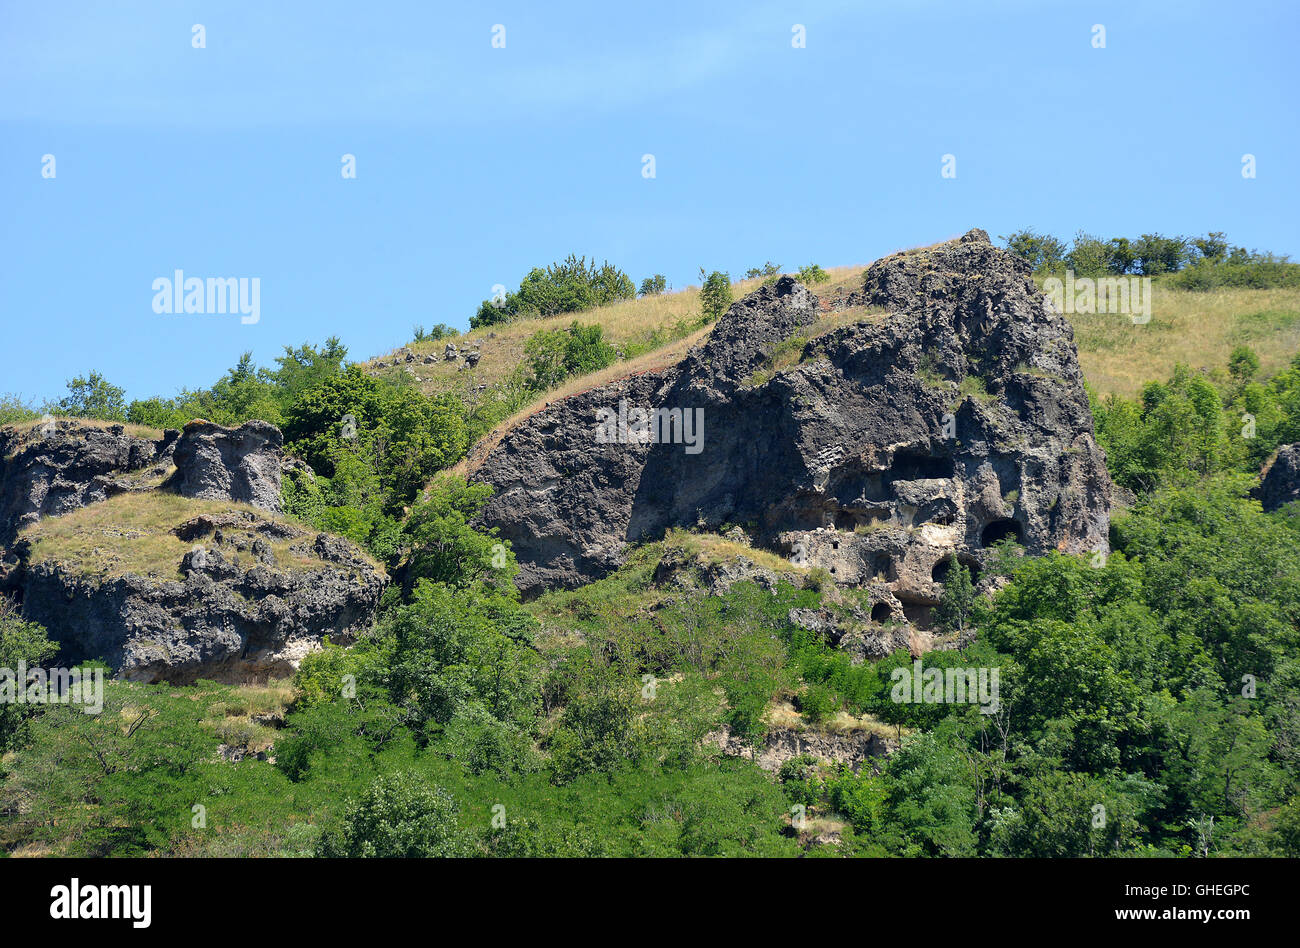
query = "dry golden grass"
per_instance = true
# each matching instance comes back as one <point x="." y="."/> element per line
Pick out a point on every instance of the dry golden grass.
<point x="248" y="716"/>
<point x="132" y="533"/>
<point x="655" y="361"/>
<point x="137" y="431"/>
<point x="1199" y="329"/>
<point x="625" y="324"/>
<point x="711" y="547"/>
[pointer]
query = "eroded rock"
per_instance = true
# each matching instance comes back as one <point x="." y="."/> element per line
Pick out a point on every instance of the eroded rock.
<point x="218" y="463"/>
<point x="955" y="421"/>
<point x="59" y="466"/>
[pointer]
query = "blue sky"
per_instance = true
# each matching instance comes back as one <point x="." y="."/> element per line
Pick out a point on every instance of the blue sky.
<point x="474" y="163"/>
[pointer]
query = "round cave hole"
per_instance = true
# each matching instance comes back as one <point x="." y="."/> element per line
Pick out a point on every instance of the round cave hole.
<point x="881" y="612"/>
<point x="942" y="570"/>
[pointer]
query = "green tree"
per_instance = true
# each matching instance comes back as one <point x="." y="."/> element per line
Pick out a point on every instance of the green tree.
<point x="1043" y="252"/>
<point x="26" y="643"/>
<point x="958" y="597"/>
<point x="443" y="547"/>
<point x="715" y="293"/>
<point x="654" y="285"/>
<point x="93" y="396"/>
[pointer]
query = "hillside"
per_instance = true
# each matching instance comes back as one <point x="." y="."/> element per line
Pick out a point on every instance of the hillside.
<point x="916" y="594"/>
<point x="1197" y="328"/>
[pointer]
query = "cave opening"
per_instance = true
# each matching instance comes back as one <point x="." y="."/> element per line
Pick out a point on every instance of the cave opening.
<point x="999" y="530"/>
<point x="915" y="466"/>
<point x="942" y="570"/>
<point x="881" y="612"/>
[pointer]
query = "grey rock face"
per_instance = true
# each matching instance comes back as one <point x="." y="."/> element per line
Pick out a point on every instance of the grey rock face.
<point x="957" y="420"/>
<point x="1280" y="481"/>
<point x="237" y="614"/>
<point x="235" y="617"/>
<point x="242" y="464"/>
<point x="60" y="466"/>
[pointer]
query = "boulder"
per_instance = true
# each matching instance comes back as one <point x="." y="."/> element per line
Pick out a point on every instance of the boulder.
<point x="241" y="464"/>
<point x="231" y="611"/>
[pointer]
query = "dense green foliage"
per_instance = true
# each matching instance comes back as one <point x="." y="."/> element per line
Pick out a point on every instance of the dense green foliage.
<point x="654" y="285"/>
<point x="1194" y="425"/>
<point x="570" y="286"/>
<point x="246" y="391"/>
<point x="1193" y="263"/>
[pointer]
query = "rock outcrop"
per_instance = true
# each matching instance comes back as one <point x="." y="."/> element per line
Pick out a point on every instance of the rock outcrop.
<point x="780" y="744"/>
<point x="949" y="416"/>
<point x="252" y="595"/>
<point x="58" y="466"/>
<point x="238" y="612"/>
<point x="1280" y="480"/>
<point x="242" y="464"/>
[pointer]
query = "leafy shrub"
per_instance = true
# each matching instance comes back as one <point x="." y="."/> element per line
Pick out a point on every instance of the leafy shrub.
<point x="15" y="409"/>
<point x="1089" y="256"/>
<point x="20" y="642"/>
<point x="767" y="270"/>
<point x="1043" y="251"/>
<point x="816" y="703"/>
<point x="442" y="547"/>
<point x="438" y="332"/>
<point x="567" y="287"/>
<point x="399" y="816"/>
<point x="554" y="355"/>
<point x="813" y="274"/>
<point x="1248" y="269"/>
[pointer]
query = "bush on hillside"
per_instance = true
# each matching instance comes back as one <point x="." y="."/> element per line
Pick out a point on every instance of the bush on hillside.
<point x="554" y="355"/>
<point x="571" y="286"/>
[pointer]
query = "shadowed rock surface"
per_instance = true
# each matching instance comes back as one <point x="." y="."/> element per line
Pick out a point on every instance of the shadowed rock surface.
<point x="957" y="420"/>
<point x="1280" y="481"/>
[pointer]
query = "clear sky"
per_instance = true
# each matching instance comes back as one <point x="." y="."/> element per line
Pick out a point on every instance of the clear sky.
<point x="475" y="163"/>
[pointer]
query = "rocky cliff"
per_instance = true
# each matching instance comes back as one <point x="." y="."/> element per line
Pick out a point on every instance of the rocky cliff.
<point x="166" y="558"/>
<point x="949" y="415"/>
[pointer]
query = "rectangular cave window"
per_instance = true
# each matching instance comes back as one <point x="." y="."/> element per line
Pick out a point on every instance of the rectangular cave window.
<point x="915" y="466"/>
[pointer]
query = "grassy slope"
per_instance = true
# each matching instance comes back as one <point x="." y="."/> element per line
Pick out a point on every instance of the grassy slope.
<point x="1117" y="356"/>
<point x="132" y="533"/>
